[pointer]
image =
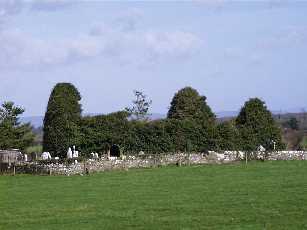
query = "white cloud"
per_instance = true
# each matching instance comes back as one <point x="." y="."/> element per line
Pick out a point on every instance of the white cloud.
<point x="22" y="50"/>
<point x="50" y="5"/>
<point x="12" y="7"/>
<point x="171" y="43"/>
<point x="125" y="41"/>
<point x="231" y="5"/>
<point x="9" y="8"/>
<point x="128" y="20"/>
<point x="287" y="37"/>
<point x="119" y="40"/>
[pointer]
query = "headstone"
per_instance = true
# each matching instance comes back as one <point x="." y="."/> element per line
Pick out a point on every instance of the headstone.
<point x="69" y="153"/>
<point x="46" y="156"/>
<point x="76" y="154"/>
<point x="261" y="148"/>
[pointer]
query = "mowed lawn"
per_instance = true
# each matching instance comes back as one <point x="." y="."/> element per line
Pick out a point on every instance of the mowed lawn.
<point x="261" y="195"/>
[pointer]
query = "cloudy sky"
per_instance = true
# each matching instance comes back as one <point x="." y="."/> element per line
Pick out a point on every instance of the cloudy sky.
<point x="227" y="50"/>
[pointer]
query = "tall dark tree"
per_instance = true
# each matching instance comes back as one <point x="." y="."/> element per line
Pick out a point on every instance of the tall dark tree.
<point x="188" y="104"/>
<point x="257" y="127"/>
<point x="12" y="133"/>
<point x="62" y="120"/>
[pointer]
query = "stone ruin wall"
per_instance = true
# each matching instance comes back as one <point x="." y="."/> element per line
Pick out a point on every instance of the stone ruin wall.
<point x="148" y="161"/>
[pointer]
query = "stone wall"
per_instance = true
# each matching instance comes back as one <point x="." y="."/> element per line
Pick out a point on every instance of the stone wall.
<point x="158" y="160"/>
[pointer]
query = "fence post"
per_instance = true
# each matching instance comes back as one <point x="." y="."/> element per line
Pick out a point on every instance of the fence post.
<point x="155" y="160"/>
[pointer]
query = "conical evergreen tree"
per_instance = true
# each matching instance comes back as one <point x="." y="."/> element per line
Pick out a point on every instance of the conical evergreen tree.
<point x="257" y="127"/>
<point x="62" y="119"/>
<point x="188" y="104"/>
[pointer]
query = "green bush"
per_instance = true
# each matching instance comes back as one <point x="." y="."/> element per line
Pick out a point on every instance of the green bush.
<point x="168" y="135"/>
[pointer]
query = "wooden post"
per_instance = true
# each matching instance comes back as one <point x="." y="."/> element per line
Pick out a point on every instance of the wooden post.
<point x="156" y="160"/>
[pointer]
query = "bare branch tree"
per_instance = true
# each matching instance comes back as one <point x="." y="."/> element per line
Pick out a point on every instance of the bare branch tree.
<point x="140" y="108"/>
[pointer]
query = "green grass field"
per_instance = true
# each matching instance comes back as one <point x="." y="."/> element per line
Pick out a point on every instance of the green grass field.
<point x="263" y="195"/>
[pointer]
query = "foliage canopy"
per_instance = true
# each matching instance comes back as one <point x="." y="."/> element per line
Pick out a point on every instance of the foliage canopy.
<point x="14" y="135"/>
<point x="188" y="104"/>
<point x="62" y="120"/>
<point x="257" y="126"/>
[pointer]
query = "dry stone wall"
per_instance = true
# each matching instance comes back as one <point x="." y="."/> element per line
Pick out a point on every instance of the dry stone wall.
<point x="146" y="161"/>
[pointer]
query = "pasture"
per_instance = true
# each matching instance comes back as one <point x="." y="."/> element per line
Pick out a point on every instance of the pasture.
<point x="261" y="195"/>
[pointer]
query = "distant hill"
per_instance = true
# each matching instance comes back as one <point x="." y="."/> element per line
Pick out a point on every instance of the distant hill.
<point x="36" y="121"/>
<point x="157" y="116"/>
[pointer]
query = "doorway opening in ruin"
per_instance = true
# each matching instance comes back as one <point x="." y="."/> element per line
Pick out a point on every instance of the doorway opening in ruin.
<point x="115" y="151"/>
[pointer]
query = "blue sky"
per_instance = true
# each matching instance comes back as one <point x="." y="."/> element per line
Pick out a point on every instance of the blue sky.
<point x="228" y="50"/>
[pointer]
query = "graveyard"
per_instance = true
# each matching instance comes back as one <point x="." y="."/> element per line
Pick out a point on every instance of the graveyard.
<point x="186" y="171"/>
<point x="153" y="115"/>
<point x="259" y="195"/>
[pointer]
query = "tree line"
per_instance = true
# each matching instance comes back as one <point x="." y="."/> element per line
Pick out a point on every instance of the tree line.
<point x="190" y="126"/>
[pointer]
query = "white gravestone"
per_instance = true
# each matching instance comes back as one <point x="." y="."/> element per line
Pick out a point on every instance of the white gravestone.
<point x="75" y="154"/>
<point x="69" y="153"/>
<point x="46" y="156"/>
<point x="261" y="148"/>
